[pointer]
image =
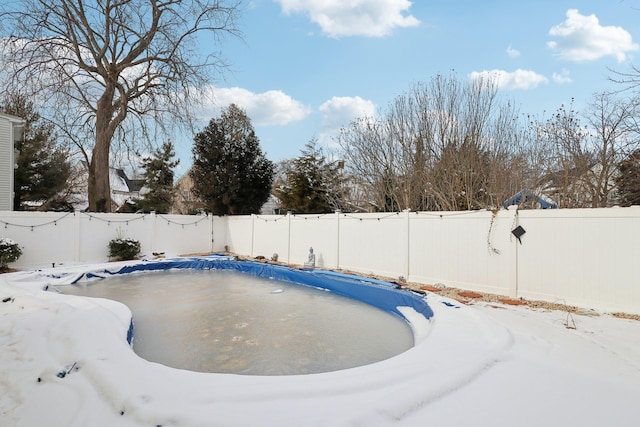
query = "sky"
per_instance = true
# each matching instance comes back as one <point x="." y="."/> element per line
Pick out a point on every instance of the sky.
<point x="303" y="69"/>
<point x="66" y="362"/>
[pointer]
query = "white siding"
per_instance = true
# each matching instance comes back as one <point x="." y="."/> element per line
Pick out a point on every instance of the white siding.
<point x="6" y="164"/>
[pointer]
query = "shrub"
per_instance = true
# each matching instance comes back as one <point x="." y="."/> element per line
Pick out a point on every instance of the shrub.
<point x="9" y="252"/>
<point x="123" y="249"/>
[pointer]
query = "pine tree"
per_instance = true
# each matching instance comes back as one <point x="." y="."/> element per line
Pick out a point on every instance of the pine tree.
<point x="313" y="184"/>
<point x="230" y="173"/>
<point x="42" y="165"/>
<point x="628" y="180"/>
<point x="158" y="177"/>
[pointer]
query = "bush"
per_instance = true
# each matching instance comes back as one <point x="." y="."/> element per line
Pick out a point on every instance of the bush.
<point x="9" y="252"/>
<point x="123" y="249"/>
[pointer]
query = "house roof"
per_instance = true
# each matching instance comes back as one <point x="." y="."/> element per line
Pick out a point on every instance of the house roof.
<point x="122" y="188"/>
<point x="17" y="123"/>
<point x="11" y="118"/>
<point x="132" y="184"/>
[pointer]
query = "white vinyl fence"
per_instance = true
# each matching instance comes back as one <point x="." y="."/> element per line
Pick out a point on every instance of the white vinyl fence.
<point x="583" y="257"/>
<point x="49" y="238"/>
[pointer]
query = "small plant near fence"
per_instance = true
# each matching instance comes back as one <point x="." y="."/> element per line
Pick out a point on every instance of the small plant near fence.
<point x="123" y="248"/>
<point x="9" y="252"/>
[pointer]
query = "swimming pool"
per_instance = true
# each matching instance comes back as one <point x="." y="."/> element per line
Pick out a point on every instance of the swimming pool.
<point x="77" y="367"/>
<point x="227" y="321"/>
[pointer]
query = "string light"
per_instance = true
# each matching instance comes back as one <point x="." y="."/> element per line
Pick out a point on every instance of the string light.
<point x="91" y="217"/>
<point x="271" y="219"/>
<point x="194" y="223"/>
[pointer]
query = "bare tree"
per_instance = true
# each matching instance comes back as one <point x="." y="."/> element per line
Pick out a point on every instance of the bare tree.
<point x="112" y="72"/>
<point x="582" y="158"/>
<point x="371" y="159"/>
<point x="444" y="145"/>
<point x="628" y="180"/>
<point x="629" y="80"/>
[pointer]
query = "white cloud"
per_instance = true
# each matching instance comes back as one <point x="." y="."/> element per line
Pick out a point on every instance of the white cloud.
<point x="339" y="18"/>
<point x="518" y="79"/>
<point x="513" y="53"/>
<point x="562" y="77"/>
<point x="339" y="112"/>
<point x="582" y="38"/>
<point x="270" y="108"/>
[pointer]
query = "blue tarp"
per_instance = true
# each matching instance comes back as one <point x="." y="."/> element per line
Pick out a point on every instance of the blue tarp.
<point x="526" y="195"/>
<point x="377" y="293"/>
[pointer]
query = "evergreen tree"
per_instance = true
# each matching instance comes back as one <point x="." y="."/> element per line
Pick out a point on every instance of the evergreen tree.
<point x="628" y="180"/>
<point x="158" y="177"/>
<point x="313" y="184"/>
<point x="230" y="173"/>
<point x="42" y="166"/>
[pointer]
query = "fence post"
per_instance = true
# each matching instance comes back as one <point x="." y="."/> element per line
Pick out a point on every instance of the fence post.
<point x="210" y="223"/>
<point x="154" y="232"/>
<point x="289" y="237"/>
<point x="407" y="269"/>
<point x="338" y="212"/>
<point x="253" y="229"/>
<point x="515" y="290"/>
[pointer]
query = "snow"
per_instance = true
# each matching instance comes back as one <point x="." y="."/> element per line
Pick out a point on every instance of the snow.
<point x="483" y="364"/>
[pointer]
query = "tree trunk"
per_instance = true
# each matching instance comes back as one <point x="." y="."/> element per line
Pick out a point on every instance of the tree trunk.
<point x="99" y="188"/>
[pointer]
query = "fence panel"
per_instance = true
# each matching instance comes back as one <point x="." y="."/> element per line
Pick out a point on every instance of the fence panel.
<point x="319" y="232"/>
<point x="374" y="243"/>
<point x="44" y="237"/>
<point x="584" y="257"/>
<point x="180" y="234"/>
<point x="470" y="250"/>
<point x="239" y="234"/>
<point x="97" y="229"/>
<point x="271" y="236"/>
<point x="219" y="231"/>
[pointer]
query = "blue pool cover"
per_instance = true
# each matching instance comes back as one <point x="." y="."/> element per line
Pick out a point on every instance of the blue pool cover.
<point x="378" y="293"/>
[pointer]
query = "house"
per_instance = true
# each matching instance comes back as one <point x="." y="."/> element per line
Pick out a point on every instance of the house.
<point x="11" y="130"/>
<point x="123" y="188"/>
<point x="271" y="206"/>
<point x="186" y="202"/>
<point x="590" y="186"/>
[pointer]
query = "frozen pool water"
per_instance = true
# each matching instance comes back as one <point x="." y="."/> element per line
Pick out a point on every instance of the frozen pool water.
<point x="229" y="322"/>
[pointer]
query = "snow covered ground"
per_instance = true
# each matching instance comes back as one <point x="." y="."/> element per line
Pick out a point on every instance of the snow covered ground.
<point x="65" y="361"/>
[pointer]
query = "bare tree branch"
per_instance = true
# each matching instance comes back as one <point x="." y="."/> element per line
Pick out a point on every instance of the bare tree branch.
<point x="125" y="67"/>
<point x="444" y="145"/>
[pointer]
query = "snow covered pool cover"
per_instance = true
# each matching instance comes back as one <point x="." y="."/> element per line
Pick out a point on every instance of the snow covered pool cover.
<point x="66" y="362"/>
<point x="226" y="321"/>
